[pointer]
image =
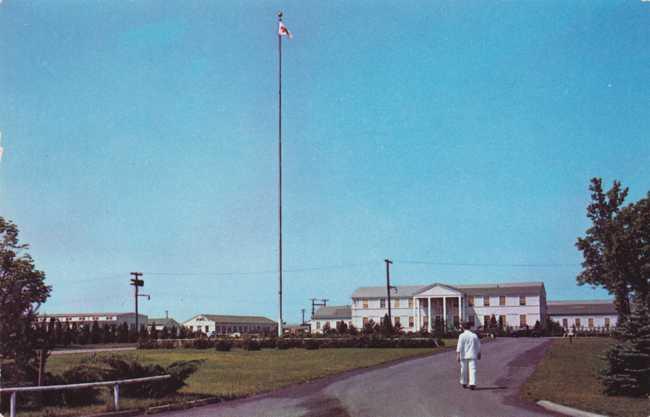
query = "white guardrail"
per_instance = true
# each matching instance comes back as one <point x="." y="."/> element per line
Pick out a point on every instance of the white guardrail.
<point x="115" y="384"/>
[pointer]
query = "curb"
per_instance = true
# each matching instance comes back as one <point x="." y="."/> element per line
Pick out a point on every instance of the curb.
<point x="125" y="413"/>
<point x="181" y="406"/>
<point x="563" y="409"/>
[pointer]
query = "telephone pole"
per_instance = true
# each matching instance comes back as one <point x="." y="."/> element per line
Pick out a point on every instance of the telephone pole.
<point x="303" y="316"/>
<point x="388" y="287"/>
<point x="137" y="283"/>
<point x="317" y="302"/>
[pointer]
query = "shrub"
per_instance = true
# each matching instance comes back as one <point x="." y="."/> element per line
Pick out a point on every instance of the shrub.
<point x="311" y="344"/>
<point x="283" y="344"/>
<point x="202" y="343"/>
<point x="269" y="343"/>
<point x="251" y="344"/>
<point x="223" y="345"/>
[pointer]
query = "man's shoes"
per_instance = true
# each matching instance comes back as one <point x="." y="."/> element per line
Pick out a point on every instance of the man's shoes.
<point x="472" y="387"/>
<point x="464" y="385"/>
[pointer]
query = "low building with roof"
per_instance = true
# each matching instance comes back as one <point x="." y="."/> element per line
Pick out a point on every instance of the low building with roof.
<point x="420" y="307"/>
<point x="584" y="314"/>
<point x="330" y="315"/>
<point x="160" y="323"/>
<point x="87" y="319"/>
<point x="226" y="324"/>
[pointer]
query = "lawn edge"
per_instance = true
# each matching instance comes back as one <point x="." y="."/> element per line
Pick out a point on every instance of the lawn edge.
<point x="569" y="411"/>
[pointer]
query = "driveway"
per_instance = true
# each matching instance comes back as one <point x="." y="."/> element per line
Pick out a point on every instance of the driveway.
<point x="423" y="387"/>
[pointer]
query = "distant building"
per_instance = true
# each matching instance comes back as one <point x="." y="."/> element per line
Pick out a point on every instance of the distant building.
<point x="87" y="319"/>
<point x="415" y="307"/>
<point x="296" y="329"/>
<point x="331" y="315"/>
<point x="162" y="323"/>
<point x="585" y="314"/>
<point x="224" y="324"/>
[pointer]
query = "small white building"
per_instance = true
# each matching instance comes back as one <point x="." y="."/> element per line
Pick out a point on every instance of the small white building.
<point x="225" y="324"/>
<point x="585" y="314"/>
<point x="87" y="319"/>
<point x="517" y="305"/>
<point x="330" y="315"/>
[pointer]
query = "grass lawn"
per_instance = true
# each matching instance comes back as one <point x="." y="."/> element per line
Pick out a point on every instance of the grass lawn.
<point x="568" y="375"/>
<point x="239" y="372"/>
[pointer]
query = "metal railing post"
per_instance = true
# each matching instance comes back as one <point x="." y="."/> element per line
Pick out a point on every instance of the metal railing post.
<point x="116" y="397"/>
<point x="12" y="405"/>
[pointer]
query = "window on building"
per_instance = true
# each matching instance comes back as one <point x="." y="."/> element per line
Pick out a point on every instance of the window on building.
<point x="522" y="300"/>
<point x="522" y="320"/>
<point x="577" y="323"/>
<point x="382" y="303"/>
<point x="365" y="321"/>
<point x="486" y="301"/>
<point x="355" y="301"/>
<point x="502" y="300"/>
<point x="397" y="303"/>
<point x="397" y="320"/>
<point x="207" y="329"/>
<point x="606" y="321"/>
<point x="470" y="320"/>
<point x="365" y="303"/>
<point x="590" y="322"/>
<point x="411" y="321"/>
<point x="470" y="301"/>
<point x="317" y="324"/>
<point x="191" y="328"/>
<point x="565" y="323"/>
<point x="502" y="321"/>
<point x="410" y="303"/>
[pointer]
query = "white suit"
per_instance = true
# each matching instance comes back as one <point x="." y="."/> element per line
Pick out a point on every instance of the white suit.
<point x="469" y="350"/>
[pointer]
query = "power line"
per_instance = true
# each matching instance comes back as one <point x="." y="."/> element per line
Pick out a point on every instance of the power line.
<point x="495" y="265"/>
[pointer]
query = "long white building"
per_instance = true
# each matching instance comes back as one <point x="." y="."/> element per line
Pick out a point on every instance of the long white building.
<point x="417" y="307"/>
<point x="584" y="314"/>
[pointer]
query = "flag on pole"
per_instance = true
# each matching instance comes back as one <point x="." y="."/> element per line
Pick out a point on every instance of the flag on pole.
<point x="283" y="31"/>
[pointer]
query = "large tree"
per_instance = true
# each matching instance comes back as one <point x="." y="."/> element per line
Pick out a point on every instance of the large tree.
<point x="616" y="251"/>
<point x="22" y="291"/>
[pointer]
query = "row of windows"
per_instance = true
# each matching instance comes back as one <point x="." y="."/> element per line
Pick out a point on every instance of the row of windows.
<point x="502" y="300"/>
<point x="230" y="329"/>
<point x="470" y="301"/>
<point x="396" y="303"/>
<point x="396" y="319"/>
<point x="577" y="323"/>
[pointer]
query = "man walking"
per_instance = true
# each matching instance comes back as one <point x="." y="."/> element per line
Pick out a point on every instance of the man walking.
<point x="468" y="351"/>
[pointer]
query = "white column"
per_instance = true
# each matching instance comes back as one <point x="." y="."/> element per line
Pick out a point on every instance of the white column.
<point x="429" y="317"/>
<point x="415" y="320"/>
<point x="444" y="312"/>
<point x="460" y="309"/>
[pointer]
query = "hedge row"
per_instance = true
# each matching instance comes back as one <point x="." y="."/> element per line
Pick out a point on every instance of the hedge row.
<point x="223" y="344"/>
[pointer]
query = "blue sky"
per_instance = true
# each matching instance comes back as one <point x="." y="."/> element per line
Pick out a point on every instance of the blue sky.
<point x="143" y="136"/>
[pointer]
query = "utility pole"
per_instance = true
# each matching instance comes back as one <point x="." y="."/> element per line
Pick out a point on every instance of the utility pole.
<point x="303" y="316"/>
<point x="280" y="177"/>
<point x="317" y="302"/>
<point x="137" y="283"/>
<point x="388" y="287"/>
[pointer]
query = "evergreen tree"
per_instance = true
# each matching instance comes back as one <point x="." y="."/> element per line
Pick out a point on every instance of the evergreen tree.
<point x="628" y="372"/>
<point x="95" y="333"/>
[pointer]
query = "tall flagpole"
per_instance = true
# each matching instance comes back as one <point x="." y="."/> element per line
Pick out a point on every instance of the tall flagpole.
<point x="280" y="176"/>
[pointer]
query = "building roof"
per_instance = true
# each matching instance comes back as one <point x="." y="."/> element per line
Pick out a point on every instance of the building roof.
<point x="581" y="307"/>
<point x="333" y="312"/>
<point x="380" y="292"/>
<point x="226" y="319"/>
<point x="507" y="288"/>
<point x="89" y="314"/>
<point x="163" y="321"/>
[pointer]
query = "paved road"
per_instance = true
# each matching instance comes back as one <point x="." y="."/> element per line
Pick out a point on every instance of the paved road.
<point x="424" y="387"/>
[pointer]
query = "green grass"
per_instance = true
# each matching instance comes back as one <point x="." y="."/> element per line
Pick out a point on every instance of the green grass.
<point x="238" y="373"/>
<point x="568" y="375"/>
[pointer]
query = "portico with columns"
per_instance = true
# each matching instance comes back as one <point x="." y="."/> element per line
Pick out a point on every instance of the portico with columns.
<point x="438" y="302"/>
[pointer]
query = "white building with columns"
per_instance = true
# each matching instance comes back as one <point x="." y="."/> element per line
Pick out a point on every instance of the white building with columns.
<point x="417" y="307"/>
